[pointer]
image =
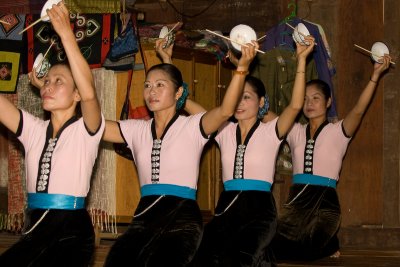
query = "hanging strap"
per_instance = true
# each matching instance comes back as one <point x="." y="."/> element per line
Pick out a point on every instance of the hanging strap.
<point x="126" y="106"/>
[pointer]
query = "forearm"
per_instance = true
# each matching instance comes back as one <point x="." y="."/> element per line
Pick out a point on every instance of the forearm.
<point x="234" y="92"/>
<point x="79" y="67"/>
<point x="298" y="92"/>
<point x="365" y="98"/>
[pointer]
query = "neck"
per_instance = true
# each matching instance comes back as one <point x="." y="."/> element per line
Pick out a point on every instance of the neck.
<point x="315" y="123"/>
<point x="161" y="120"/>
<point x="245" y="126"/>
<point x="58" y="119"/>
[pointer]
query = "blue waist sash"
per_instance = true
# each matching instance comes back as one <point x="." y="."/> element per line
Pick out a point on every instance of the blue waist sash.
<point x="304" y="178"/>
<point x="55" y="201"/>
<point x="168" y="189"/>
<point x="246" y="185"/>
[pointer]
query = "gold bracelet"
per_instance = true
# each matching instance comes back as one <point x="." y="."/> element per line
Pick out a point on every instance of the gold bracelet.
<point x="373" y="81"/>
<point x="241" y="72"/>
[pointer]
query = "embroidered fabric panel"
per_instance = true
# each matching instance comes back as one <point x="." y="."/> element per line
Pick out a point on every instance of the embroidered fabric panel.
<point x="11" y="45"/>
<point x="42" y="184"/>
<point x="155" y="161"/>
<point x="239" y="162"/>
<point x="238" y="168"/>
<point x="309" y="149"/>
<point x="308" y="156"/>
<point x="93" y="32"/>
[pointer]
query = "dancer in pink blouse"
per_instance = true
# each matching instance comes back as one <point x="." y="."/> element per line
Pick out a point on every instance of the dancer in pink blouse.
<point x="308" y="226"/>
<point x="245" y="217"/>
<point x="59" y="157"/>
<point x="167" y="226"/>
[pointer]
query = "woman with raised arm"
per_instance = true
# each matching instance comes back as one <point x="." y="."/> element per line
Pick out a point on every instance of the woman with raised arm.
<point x="167" y="226"/>
<point x="59" y="155"/>
<point x="245" y="217"/>
<point x="310" y="219"/>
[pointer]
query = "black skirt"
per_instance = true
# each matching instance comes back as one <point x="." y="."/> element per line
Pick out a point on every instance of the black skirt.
<point x="61" y="238"/>
<point x="166" y="232"/>
<point x="240" y="232"/>
<point x="308" y="225"/>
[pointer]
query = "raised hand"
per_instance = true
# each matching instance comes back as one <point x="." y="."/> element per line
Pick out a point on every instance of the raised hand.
<point x="59" y="18"/>
<point x="248" y="54"/>
<point x="34" y="80"/>
<point x="379" y="68"/>
<point x="164" y="53"/>
<point x="302" y="51"/>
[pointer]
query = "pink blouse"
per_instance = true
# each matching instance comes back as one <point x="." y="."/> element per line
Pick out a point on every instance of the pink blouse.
<point x="259" y="155"/>
<point x="327" y="150"/>
<point x="67" y="163"/>
<point x="176" y="156"/>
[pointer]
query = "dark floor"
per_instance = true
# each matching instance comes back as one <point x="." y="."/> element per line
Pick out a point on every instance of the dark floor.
<point x="349" y="256"/>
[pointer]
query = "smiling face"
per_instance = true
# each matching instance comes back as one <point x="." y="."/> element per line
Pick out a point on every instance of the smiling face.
<point x="160" y="92"/>
<point x="315" y="103"/>
<point x="59" y="91"/>
<point x="249" y="104"/>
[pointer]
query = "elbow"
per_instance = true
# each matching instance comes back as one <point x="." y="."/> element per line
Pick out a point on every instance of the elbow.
<point x="89" y="98"/>
<point x="226" y="114"/>
<point x="297" y="107"/>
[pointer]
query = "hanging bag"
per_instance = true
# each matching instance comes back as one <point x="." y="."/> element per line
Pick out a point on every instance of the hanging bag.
<point x="121" y="56"/>
<point x="121" y="148"/>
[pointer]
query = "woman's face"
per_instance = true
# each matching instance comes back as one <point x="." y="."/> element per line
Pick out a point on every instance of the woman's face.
<point x="248" y="105"/>
<point x="315" y="104"/>
<point x="159" y="91"/>
<point x="59" y="91"/>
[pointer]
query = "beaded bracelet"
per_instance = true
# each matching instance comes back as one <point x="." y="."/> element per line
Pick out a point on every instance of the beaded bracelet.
<point x="241" y="72"/>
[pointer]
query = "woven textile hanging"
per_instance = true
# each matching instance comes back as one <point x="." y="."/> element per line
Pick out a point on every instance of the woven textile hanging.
<point x="94" y="6"/>
<point x="102" y="198"/>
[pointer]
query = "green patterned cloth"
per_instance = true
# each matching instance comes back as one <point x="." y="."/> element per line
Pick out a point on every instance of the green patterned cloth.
<point x="94" y="6"/>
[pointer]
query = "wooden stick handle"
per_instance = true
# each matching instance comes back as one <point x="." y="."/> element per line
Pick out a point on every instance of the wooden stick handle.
<point x="294" y="29"/>
<point x="4" y="22"/>
<point x="172" y="29"/>
<point x="219" y="35"/>
<point x="45" y="54"/>
<point x="362" y="48"/>
<point x="291" y="27"/>
<point x="33" y="24"/>
<point x="262" y="37"/>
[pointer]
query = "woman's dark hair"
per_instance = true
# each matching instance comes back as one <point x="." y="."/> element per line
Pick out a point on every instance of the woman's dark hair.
<point x="257" y="85"/>
<point x="173" y="72"/>
<point x="322" y="86"/>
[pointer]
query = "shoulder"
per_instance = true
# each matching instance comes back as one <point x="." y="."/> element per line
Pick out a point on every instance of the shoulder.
<point x="28" y="117"/>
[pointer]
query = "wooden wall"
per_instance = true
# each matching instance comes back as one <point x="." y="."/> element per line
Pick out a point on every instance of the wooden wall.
<point x="391" y="111"/>
<point x="369" y="184"/>
<point x="220" y="15"/>
<point x="361" y="186"/>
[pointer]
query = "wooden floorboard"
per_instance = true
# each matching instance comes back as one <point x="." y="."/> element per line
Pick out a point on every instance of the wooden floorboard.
<point x="349" y="256"/>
